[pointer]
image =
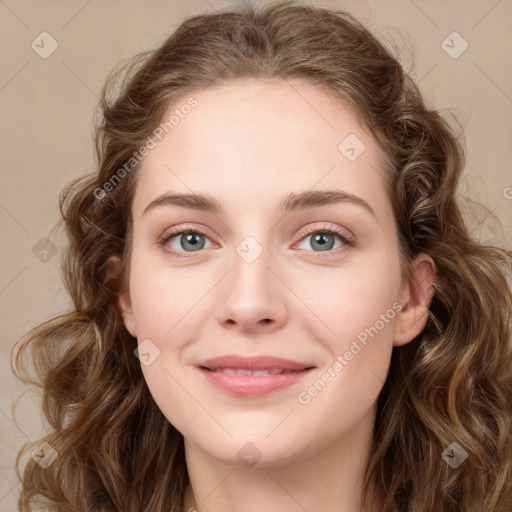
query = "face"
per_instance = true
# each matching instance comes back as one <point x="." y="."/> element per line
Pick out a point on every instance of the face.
<point x="294" y="281"/>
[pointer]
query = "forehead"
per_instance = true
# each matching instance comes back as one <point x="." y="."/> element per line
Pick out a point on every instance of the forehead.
<point x="252" y="139"/>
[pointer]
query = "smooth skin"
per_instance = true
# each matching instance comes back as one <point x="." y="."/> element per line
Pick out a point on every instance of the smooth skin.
<point x="249" y="144"/>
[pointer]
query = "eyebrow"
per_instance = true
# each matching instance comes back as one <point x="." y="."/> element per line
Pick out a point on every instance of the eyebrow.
<point x="292" y="202"/>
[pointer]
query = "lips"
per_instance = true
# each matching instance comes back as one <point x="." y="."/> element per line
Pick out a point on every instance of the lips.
<point x="252" y="376"/>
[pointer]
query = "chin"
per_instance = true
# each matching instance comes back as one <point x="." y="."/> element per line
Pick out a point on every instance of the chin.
<point x="259" y="450"/>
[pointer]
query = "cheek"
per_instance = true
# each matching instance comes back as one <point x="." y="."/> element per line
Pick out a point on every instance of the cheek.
<point x="162" y="297"/>
<point x="162" y="306"/>
<point x="349" y="300"/>
<point x="359" y="308"/>
<point x="362" y="315"/>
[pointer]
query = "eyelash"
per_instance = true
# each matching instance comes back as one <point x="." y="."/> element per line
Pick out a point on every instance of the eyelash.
<point x="349" y="242"/>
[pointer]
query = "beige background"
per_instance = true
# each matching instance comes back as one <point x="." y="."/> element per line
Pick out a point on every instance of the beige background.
<point x="47" y="107"/>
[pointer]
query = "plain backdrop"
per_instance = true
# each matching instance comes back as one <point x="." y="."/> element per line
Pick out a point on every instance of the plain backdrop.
<point x="47" y="104"/>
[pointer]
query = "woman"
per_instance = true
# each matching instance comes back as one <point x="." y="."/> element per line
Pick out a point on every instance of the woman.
<point x="277" y="303"/>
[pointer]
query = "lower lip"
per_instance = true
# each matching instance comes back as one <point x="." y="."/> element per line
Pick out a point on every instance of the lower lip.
<point x="252" y="385"/>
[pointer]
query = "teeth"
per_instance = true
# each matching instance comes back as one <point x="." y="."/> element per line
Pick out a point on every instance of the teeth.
<point x="243" y="372"/>
<point x="233" y="371"/>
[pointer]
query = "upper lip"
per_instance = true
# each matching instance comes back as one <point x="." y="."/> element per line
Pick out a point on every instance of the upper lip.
<point x="253" y="363"/>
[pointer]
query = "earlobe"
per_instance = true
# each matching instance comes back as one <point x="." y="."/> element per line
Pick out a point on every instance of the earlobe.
<point x="416" y="296"/>
<point x="124" y="301"/>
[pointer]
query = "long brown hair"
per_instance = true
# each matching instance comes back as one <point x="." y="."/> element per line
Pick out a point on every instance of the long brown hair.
<point x="452" y="383"/>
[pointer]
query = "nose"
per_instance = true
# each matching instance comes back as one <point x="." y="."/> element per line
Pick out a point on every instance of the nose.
<point x="252" y="296"/>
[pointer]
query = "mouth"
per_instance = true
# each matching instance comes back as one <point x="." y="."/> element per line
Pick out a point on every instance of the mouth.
<point x="253" y="364"/>
<point x="252" y="376"/>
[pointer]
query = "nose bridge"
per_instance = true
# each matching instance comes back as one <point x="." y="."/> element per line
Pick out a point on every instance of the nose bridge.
<point x="250" y="275"/>
<point x="252" y="293"/>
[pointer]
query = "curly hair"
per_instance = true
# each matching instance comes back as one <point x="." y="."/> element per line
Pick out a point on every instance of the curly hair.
<point x="453" y="382"/>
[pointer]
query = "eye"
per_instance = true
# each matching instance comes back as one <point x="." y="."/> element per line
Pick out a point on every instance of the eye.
<point x="187" y="240"/>
<point x="324" y="239"/>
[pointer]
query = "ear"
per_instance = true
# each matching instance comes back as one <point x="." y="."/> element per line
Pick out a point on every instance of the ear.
<point x="124" y="301"/>
<point x="415" y="297"/>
